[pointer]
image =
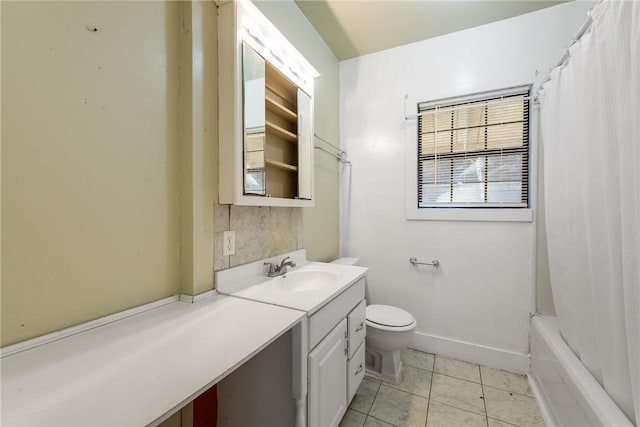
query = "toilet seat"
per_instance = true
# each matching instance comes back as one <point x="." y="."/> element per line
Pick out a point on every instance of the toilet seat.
<point x="389" y="318"/>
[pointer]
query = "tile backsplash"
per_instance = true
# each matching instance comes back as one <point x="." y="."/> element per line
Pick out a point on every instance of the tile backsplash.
<point x="261" y="232"/>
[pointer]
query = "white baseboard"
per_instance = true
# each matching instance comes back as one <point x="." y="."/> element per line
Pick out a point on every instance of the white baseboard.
<point x="470" y="352"/>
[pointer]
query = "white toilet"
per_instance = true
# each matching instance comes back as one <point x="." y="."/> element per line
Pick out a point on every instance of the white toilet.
<point x="390" y="330"/>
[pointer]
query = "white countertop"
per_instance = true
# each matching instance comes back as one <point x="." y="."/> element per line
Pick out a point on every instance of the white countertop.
<point x="135" y="371"/>
<point x="309" y="301"/>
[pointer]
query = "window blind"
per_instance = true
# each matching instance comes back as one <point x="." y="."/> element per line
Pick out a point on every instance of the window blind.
<point x="474" y="153"/>
<point x="254" y="158"/>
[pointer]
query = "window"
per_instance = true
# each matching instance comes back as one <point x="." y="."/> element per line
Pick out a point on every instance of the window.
<point x="473" y="152"/>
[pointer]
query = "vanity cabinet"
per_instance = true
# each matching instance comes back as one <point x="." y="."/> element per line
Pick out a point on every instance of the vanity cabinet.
<point x="265" y="113"/>
<point x="328" y="378"/>
<point x="336" y="358"/>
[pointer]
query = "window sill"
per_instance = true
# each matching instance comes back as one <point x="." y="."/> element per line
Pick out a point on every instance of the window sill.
<point x="470" y="214"/>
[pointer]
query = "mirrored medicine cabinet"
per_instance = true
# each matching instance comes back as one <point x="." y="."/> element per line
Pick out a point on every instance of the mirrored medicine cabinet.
<point x="266" y="116"/>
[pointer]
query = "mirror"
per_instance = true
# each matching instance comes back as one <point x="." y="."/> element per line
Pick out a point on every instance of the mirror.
<point x="255" y="137"/>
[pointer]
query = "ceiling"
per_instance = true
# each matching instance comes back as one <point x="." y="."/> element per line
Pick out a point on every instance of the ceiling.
<point x="357" y="27"/>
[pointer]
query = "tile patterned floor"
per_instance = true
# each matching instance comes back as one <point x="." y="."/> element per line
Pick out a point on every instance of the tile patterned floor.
<point x="436" y="391"/>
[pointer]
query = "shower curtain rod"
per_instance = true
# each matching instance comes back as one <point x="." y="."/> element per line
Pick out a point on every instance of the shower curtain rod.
<point x="341" y="155"/>
<point x="328" y="143"/>
<point x="586" y="25"/>
<point x="583" y="29"/>
<point x="327" y="151"/>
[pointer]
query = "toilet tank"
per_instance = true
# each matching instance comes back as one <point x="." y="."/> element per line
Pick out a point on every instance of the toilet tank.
<point x="346" y="261"/>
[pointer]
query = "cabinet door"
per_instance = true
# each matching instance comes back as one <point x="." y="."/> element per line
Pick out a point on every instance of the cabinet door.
<point x="305" y="146"/>
<point x="328" y="379"/>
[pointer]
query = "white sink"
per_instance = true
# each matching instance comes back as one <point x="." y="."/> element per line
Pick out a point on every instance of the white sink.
<point x="305" y="280"/>
<point x="308" y="287"/>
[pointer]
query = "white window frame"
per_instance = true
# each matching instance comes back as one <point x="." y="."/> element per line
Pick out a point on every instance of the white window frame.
<point x="467" y="214"/>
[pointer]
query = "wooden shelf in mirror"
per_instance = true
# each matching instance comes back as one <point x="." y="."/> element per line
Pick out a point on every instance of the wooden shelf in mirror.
<point x="281" y="132"/>
<point x="279" y="84"/>
<point x="281" y="103"/>
<point x="281" y="165"/>
<point x="279" y="109"/>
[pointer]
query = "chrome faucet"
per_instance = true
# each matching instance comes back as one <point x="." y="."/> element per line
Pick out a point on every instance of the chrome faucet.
<point x="279" y="270"/>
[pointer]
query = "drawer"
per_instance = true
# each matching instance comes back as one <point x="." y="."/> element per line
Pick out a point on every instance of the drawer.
<point x="355" y="372"/>
<point x="321" y="322"/>
<point x="357" y="325"/>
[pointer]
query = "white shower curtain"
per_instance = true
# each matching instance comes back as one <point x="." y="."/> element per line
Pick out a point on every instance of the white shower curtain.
<point x="590" y="117"/>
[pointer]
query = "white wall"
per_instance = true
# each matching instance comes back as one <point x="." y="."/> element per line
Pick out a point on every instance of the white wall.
<point x="476" y="306"/>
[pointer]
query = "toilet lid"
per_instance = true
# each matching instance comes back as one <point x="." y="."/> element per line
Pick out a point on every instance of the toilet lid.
<point x="387" y="315"/>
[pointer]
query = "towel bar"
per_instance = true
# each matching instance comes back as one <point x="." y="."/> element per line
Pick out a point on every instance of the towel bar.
<point x="415" y="261"/>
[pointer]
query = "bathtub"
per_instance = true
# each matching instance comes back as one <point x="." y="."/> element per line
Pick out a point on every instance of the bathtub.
<point x="567" y="393"/>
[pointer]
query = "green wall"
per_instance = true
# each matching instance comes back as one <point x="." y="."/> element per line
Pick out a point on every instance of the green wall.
<point x="91" y="218"/>
<point x="109" y="156"/>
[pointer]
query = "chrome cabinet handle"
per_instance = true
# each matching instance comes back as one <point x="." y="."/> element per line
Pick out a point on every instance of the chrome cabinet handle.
<point x="358" y="370"/>
<point x="360" y="327"/>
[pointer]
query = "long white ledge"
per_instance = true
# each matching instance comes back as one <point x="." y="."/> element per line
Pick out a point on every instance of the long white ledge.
<point x="139" y="370"/>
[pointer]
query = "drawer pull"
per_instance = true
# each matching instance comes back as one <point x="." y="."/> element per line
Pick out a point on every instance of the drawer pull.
<point x="360" y="327"/>
<point x="358" y="370"/>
